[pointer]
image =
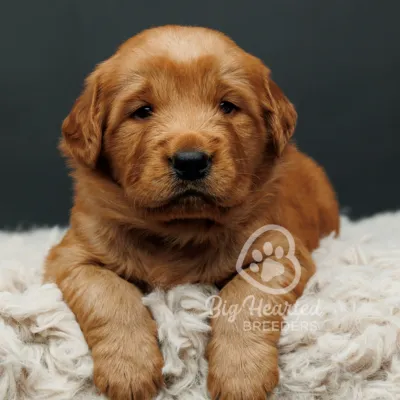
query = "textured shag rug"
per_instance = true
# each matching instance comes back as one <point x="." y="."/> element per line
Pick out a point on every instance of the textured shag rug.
<point x="345" y="345"/>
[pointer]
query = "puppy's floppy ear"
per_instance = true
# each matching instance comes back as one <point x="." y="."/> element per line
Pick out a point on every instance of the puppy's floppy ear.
<point x="82" y="129"/>
<point x="281" y="116"/>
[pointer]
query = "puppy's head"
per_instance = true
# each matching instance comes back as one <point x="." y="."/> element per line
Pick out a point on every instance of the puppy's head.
<point x="186" y="122"/>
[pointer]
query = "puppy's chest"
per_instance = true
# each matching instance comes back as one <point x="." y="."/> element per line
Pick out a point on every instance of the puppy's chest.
<point x="167" y="268"/>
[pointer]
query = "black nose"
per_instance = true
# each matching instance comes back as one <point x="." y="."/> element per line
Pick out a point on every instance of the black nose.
<point x="191" y="165"/>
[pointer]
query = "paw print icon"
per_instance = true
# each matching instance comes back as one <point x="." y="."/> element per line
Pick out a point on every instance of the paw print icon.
<point x="270" y="262"/>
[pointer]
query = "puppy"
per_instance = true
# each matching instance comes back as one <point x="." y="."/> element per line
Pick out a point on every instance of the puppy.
<point x="180" y="150"/>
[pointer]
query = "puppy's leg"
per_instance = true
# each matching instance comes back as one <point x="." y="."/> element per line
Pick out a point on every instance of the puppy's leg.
<point x="242" y="353"/>
<point x="117" y="327"/>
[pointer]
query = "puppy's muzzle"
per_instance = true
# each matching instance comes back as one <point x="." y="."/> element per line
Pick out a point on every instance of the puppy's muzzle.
<point x="191" y="165"/>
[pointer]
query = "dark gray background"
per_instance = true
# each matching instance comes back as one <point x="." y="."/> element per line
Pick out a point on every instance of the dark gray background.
<point x="338" y="61"/>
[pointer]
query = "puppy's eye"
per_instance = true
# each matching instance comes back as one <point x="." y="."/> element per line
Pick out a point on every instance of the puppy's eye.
<point x="143" y="112"/>
<point x="227" y="107"/>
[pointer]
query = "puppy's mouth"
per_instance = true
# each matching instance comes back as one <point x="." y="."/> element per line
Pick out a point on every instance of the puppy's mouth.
<point x="188" y="203"/>
<point x="189" y="208"/>
<point x="190" y="197"/>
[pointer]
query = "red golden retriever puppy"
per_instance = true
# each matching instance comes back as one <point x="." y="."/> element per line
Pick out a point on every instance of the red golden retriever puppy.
<point x="180" y="150"/>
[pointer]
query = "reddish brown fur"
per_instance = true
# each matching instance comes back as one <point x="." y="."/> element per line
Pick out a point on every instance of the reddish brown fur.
<point x="125" y="234"/>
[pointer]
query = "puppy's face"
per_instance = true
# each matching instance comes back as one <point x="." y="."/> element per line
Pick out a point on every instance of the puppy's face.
<point x="184" y="120"/>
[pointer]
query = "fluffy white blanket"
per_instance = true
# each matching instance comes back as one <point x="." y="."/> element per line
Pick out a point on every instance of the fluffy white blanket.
<point x="346" y="346"/>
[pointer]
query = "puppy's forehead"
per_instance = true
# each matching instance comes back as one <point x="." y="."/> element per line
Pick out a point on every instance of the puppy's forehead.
<point x="179" y="44"/>
<point x="179" y="52"/>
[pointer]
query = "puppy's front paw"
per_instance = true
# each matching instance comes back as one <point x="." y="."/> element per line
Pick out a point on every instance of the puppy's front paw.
<point x="130" y="369"/>
<point x="241" y="370"/>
